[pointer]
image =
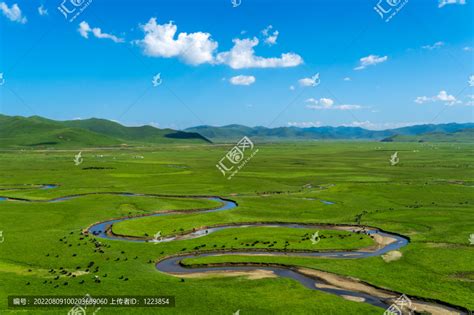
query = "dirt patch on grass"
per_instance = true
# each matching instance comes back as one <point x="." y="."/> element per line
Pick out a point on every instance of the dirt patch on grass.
<point x="345" y="283"/>
<point x="353" y="298"/>
<point x="392" y="256"/>
<point x="251" y="274"/>
<point x="382" y="240"/>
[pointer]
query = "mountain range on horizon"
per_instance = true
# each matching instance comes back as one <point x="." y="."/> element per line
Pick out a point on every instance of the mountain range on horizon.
<point x="40" y="132"/>
<point x="409" y="133"/>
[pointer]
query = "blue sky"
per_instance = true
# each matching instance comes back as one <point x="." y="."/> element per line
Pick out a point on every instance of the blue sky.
<point x="221" y="64"/>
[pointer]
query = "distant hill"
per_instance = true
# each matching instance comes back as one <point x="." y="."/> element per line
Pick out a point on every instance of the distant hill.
<point x="466" y="135"/>
<point x="145" y="134"/>
<point x="235" y="132"/>
<point x="39" y="132"/>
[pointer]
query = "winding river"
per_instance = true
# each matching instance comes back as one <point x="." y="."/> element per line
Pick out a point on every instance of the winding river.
<point x="345" y="287"/>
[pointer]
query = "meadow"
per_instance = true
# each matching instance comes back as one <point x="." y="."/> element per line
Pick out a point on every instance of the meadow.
<point x="427" y="197"/>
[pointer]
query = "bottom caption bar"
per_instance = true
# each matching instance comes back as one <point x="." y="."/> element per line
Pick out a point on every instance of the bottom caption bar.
<point x="21" y="301"/>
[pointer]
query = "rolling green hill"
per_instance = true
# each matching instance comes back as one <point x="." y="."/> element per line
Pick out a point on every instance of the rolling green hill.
<point x="146" y="134"/>
<point x="39" y="132"/>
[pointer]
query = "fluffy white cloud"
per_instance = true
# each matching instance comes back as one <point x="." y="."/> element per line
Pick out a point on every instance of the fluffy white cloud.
<point x="242" y="55"/>
<point x="370" y="60"/>
<point x="13" y="13"/>
<point x="160" y="41"/>
<point x="347" y="79"/>
<point x="445" y="97"/>
<point x="434" y="46"/>
<point x="313" y="81"/>
<point x="442" y="96"/>
<point x="242" y="80"/>
<point x="42" y="10"/>
<point x="327" y="103"/>
<point x="442" y="3"/>
<point x="292" y="87"/>
<point x="471" y="80"/>
<point x="270" y="38"/>
<point x="84" y="29"/>
<point x="305" y="124"/>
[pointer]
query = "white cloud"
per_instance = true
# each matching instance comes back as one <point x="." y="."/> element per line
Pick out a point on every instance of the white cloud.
<point x="347" y="79"/>
<point x="162" y="40"/>
<point x="13" y="13"/>
<point x="467" y="48"/>
<point x="348" y="107"/>
<point x="84" y="29"/>
<point x="442" y="96"/>
<point x="193" y="48"/>
<point x="423" y="99"/>
<point x="445" y="97"/>
<point x="313" y="81"/>
<point x="381" y="126"/>
<point x="270" y="38"/>
<point x="292" y="87"/>
<point x="305" y="124"/>
<point x="242" y="80"/>
<point x="327" y="103"/>
<point x="370" y="60"/>
<point x="442" y="3"/>
<point x="434" y="46"/>
<point x="471" y="80"/>
<point x="242" y="55"/>
<point x="42" y="10"/>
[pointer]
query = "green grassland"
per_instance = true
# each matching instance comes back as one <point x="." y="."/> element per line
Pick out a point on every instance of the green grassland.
<point x="428" y="197"/>
<point x="258" y="237"/>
